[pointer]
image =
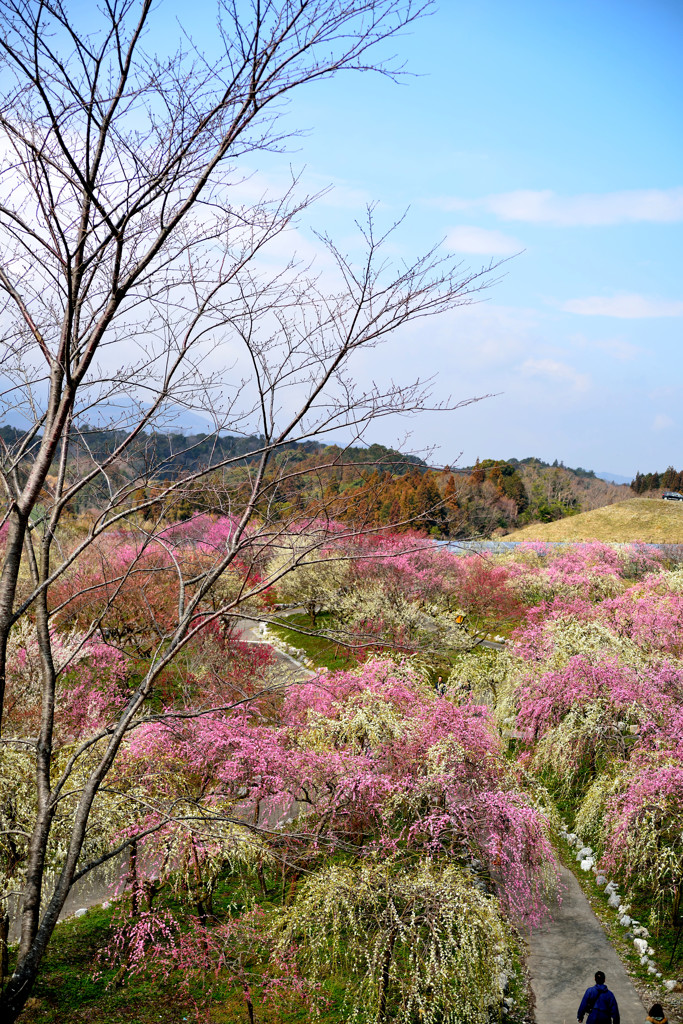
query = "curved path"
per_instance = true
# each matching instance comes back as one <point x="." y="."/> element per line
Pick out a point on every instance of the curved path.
<point x="100" y="884"/>
<point x="248" y="633"/>
<point x="565" y="955"/>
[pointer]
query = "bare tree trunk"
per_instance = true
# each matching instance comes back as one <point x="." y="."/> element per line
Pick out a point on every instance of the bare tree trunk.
<point x="134" y="879"/>
<point x="201" y="909"/>
<point x="38" y="847"/>
<point x="250" y="1005"/>
<point x="8" y="587"/>
<point x="121" y="267"/>
<point x="384" y="980"/>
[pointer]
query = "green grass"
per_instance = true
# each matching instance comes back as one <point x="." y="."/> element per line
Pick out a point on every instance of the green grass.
<point x="73" y="987"/>
<point x="326" y="653"/>
<point x="650" y="520"/>
<point x="323" y="652"/>
<point x="67" y="990"/>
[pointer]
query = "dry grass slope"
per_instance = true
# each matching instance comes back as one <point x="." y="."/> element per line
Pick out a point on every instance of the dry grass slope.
<point x="645" y="519"/>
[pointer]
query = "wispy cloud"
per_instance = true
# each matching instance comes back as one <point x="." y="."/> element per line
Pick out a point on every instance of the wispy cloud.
<point x="662" y="422"/>
<point x="617" y="348"/>
<point x="625" y="307"/>
<point x="468" y="238"/>
<point x="560" y="373"/>
<point x="661" y="206"/>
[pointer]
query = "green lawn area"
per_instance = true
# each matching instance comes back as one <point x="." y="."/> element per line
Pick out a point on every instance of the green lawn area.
<point x="638" y="519"/>
<point x="323" y="652"/>
<point x="331" y="654"/>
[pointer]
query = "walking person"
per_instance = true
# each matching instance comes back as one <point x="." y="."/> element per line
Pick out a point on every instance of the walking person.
<point x="599" y="1003"/>
<point x="657" y="1015"/>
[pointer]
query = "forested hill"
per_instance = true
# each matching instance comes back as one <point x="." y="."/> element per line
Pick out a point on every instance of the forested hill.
<point x="374" y="485"/>
<point x="176" y="454"/>
<point x="493" y="496"/>
<point x="534" y="463"/>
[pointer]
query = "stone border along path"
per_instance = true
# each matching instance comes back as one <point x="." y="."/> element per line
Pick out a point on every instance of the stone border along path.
<point x="564" y="956"/>
<point x="566" y="953"/>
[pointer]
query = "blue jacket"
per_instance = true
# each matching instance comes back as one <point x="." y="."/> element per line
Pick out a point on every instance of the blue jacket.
<point x="600" y="1005"/>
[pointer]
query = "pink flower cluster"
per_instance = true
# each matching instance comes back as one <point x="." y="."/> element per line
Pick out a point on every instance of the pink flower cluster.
<point x="610" y="667"/>
<point x="369" y="759"/>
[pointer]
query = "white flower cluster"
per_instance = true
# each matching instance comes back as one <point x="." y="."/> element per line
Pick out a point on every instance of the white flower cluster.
<point x="637" y="933"/>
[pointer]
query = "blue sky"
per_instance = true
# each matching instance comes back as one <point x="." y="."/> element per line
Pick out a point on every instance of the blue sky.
<point x="553" y="129"/>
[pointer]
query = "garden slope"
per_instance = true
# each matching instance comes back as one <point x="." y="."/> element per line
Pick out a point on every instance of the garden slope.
<point x="639" y="519"/>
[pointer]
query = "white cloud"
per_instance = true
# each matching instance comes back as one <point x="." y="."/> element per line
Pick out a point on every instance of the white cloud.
<point x="559" y="373"/>
<point x="484" y="338"/>
<point x="662" y="422"/>
<point x="617" y="348"/>
<point x="468" y="238"/>
<point x="626" y="307"/>
<point x="661" y="206"/>
<point x="666" y="393"/>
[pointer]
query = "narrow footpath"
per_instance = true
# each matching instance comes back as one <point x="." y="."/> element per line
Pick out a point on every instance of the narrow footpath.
<point x="100" y="885"/>
<point x="248" y="632"/>
<point x="565" y="955"/>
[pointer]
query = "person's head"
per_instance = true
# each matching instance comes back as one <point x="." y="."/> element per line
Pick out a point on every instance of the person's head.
<point x="656" y="1011"/>
<point x="599" y="978"/>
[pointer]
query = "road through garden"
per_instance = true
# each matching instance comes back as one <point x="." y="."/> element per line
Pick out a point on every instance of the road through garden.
<point x="565" y="955"/>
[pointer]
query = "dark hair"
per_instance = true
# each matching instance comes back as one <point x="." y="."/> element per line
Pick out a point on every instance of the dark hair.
<point x="656" y="1010"/>
<point x="600" y="977"/>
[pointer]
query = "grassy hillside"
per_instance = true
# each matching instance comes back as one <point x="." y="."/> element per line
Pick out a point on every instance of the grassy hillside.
<point x="645" y="519"/>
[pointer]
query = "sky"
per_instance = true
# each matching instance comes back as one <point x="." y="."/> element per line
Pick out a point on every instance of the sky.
<point x="544" y="134"/>
<point x="550" y="131"/>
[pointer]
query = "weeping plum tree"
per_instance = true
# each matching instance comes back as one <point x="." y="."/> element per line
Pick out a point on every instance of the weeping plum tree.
<point x="134" y="285"/>
<point x="419" y="944"/>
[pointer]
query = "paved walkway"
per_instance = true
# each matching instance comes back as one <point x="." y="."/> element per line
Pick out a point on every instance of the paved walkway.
<point x="98" y="886"/>
<point x="565" y="956"/>
<point x="249" y="633"/>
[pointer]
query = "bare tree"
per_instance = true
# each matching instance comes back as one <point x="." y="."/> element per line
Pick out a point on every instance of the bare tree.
<point x="135" y="285"/>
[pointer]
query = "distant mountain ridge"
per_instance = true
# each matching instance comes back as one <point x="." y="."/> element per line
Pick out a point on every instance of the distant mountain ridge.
<point x="613" y="478"/>
<point x="579" y="471"/>
<point x="180" y="452"/>
<point x="532" y="461"/>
